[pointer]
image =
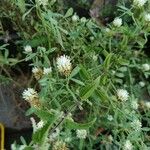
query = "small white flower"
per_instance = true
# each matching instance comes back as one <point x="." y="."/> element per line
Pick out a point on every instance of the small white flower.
<point x="95" y="57"/>
<point x="128" y="145"/>
<point x="147" y="17"/>
<point x="81" y="134"/>
<point x="110" y="138"/>
<point x="64" y="65"/>
<point x="40" y="124"/>
<point x="47" y="71"/>
<point x="54" y="135"/>
<point x="29" y="94"/>
<point x="122" y="94"/>
<point x="42" y="2"/>
<point x="142" y="84"/>
<point x="139" y="3"/>
<point x="147" y="104"/>
<point x="37" y="72"/>
<point x="107" y="30"/>
<point x="28" y="48"/>
<point x="92" y="38"/>
<point x="134" y="105"/>
<point x="117" y="22"/>
<point x="146" y="67"/>
<point x="110" y="117"/>
<point x="75" y="18"/>
<point x="136" y="125"/>
<point x="37" y="126"/>
<point x="83" y="19"/>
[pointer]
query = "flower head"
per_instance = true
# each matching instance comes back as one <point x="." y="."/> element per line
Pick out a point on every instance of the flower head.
<point x="110" y="117"/>
<point x="146" y="67"/>
<point x="147" y="17"/>
<point x="29" y="94"/>
<point x="81" y="134"/>
<point x="59" y="145"/>
<point x="122" y="94"/>
<point x="83" y="19"/>
<point x="117" y="22"/>
<point x="142" y="84"/>
<point x="75" y="18"/>
<point x="127" y="145"/>
<point x="139" y="3"/>
<point x="64" y="65"/>
<point x="28" y="48"/>
<point x="147" y="104"/>
<point x="134" y="105"/>
<point x="37" y="72"/>
<point x="37" y="126"/>
<point x="42" y="2"/>
<point x="136" y="125"/>
<point x="47" y="70"/>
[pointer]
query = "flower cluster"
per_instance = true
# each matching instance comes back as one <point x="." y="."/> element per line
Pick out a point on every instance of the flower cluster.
<point x="122" y="94"/>
<point x="146" y="67"/>
<point x="32" y="97"/>
<point x="139" y="3"/>
<point x="59" y="145"/>
<point x="136" y="125"/>
<point x="81" y="134"/>
<point x="36" y="126"/>
<point x="127" y="145"/>
<point x="64" y="65"/>
<point x="117" y="22"/>
<point x="147" y="17"/>
<point x="28" y="48"/>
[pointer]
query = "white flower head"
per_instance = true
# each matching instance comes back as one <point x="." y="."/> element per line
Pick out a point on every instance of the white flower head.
<point x="28" y="48"/>
<point x="29" y="94"/>
<point x="117" y="22"/>
<point x="54" y="135"/>
<point x="122" y="94"/>
<point x="107" y="30"/>
<point x="136" y="125"/>
<point x="147" y="104"/>
<point x="75" y="18"/>
<point x="59" y="145"/>
<point x="42" y="2"/>
<point x="110" y="117"/>
<point x="134" y="104"/>
<point x="139" y="3"/>
<point x="147" y="17"/>
<point x="37" y="126"/>
<point x="110" y="138"/>
<point x="40" y="124"/>
<point x="127" y="145"/>
<point x="47" y="71"/>
<point x="142" y="84"/>
<point x="146" y="67"/>
<point x="64" y="65"/>
<point x="37" y="72"/>
<point x="83" y="19"/>
<point x="81" y="134"/>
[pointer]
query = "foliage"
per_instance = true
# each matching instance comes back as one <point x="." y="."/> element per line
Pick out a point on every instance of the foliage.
<point x="85" y="97"/>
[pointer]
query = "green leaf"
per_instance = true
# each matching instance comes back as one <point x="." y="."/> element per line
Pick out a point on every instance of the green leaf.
<point x="78" y="81"/>
<point x="88" y="90"/>
<point x="84" y="74"/>
<point x="107" y="62"/>
<point x="74" y="72"/>
<point x="102" y="94"/>
<point x="69" y="13"/>
<point x="75" y="125"/>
